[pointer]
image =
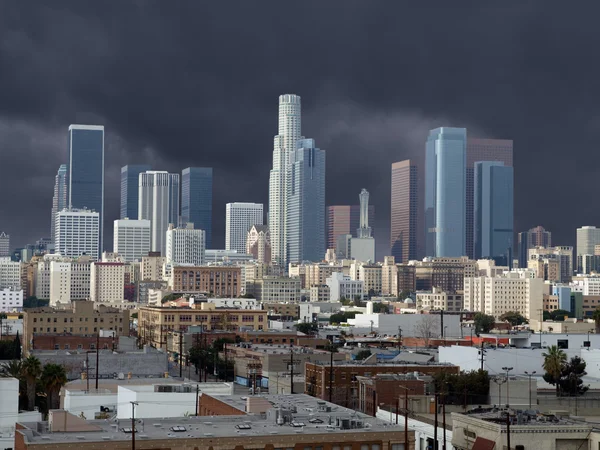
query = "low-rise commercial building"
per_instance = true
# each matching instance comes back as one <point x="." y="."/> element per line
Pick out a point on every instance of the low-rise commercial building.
<point x="388" y="389"/>
<point x="219" y="281"/>
<point x="343" y="286"/>
<point x="275" y="289"/>
<point x="11" y="300"/>
<point x="440" y="300"/>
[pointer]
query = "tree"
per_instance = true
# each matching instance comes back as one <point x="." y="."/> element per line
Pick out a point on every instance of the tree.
<point x="596" y="317"/>
<point x="514" y="318"/>
<point x="554" y="359"/>
<point x="571" y="382"/>
<point x="31" y="371"/>
<point x="248" y="296"/>
<point x="17" y="346"/>
<point x="483" y="323"/>
<point x="11" y="369"/>
<point x="170" y="298"/>
<point x="362" y="354"/>
<point x="34" y="302"/>
<point x="427" y="327"/>
<point x="403" y="295"/>
<point x="307" y="327"/>
<point x="474" y="384"/>
<point x="379" y="307"/>
<point x="342" y="317"/>
<point x="559" y="315"/>
<point x="54" y="377"/>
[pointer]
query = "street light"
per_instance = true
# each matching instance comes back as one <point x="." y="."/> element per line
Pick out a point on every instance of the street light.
<point x="507" y="369"/>
<point x="445" y="335"/>
<point x="530" y="375"/>
<point x="499" y="381"/>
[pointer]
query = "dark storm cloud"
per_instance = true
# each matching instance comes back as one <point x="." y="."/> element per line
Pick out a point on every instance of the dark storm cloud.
<point x="196" y="83"/>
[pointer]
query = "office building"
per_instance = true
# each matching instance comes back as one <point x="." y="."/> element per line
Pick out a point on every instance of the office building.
<point x="289" y="133"/>
<point x="493" y="211"/>
<point x="4" y="245"/>
<point x="220" y="281"/>
<point x="196" y="199"/>
<point x="404" y="219"/>
<point x="131" y="239"/>
<point x="77" y="233"/>
<point x="86" y="172"/>
<point x="445" y="192"/>
<point x="587" y="239"/>
<point x="345" y="219"/>
<point x="438" y="300"/>
<point x="552" y="263"/>
<point x="389" y="277"/>
<point x="69" y="280"/>
<point x="11" y="300"/>
<point x="273" y="289"/>
<point x="159" y="203"/>
<point x="305" y="218"/>
<point x="258" y="243"/>
<point x="535" y="237"/>
<point x="342" y="286"/>
<point x="59" y="199"/>
<point x="362" y="247"/>
<point x="10" y="273"/>
<point x="130" y="181"/>
<point x="478" y="149"/>
<point x="239" y="219"/>
<point x="152" y="267"/>
<point x="185" y="246"/>
<point x="107" y="282"/>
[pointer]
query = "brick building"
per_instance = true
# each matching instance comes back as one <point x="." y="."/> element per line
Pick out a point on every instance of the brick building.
<point x="387" y="389"/>
<point x="345" y="383"/>
<point x="217" y="281"/>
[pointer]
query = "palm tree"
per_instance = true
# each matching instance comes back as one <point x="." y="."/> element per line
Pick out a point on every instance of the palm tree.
<point x="54" y="377"/>
<point x="12" y="369"/>
<point x="596" y="317"/>
<point x="32" y="369"/>
<point x="554" y="360"/>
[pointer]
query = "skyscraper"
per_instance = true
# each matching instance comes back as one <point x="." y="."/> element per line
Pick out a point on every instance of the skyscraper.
<point x="482" y="150"/>
<point x="289" y="132"/>
<point x="196" y="199"/>
<point x="239" y="218"/>
<point x="77" y="233"/>
<point x="4" y="245"/>
<point x="86" y="171"/>
<point x="185" y="245"/>
<point x="59" y="200"/>
<point x="159" y="203"/>
<point x="305" y="212"/>
<point x="535" y="237"/>
<point x="258" y="243"/>
<point x="587" y="238"/>
<point x="362" y="247"/>
<point x="493" y="210"/>
<point x="130" y="179"/>
<point x="345" y="219"/>
<point x="404" y="216"/>
<point x="445" y="192"/>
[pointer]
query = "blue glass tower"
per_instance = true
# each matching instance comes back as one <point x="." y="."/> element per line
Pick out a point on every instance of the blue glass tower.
<point x="305" y="218"/>
<point x="445" y="192"/>
<point x="493" y="209"/>
<point x="86" y="170"/>
<point x="130" y="176"/>
<point x="196" y="199"/>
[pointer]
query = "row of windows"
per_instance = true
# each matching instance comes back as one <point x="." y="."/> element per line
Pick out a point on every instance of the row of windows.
<point x="70" y="330"/>
<point x="81" y="319"/>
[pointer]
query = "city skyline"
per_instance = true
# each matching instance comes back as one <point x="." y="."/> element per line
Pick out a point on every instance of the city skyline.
<point x="203" y="115"/>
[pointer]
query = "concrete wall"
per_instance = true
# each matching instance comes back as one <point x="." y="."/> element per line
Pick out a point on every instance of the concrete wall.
<point x="154" y="404"/>
<point x="389" y="323"/>
<point x="78" y="402"/>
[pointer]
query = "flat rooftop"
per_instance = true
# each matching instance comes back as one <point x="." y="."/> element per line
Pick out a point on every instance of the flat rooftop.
<point x="307" y="419"/>
<point x="277" y="349"/>
<point x="396" y="363"/>
<point x="520" y="417"/>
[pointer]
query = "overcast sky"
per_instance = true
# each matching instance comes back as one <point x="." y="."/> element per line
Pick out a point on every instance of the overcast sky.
<point x="191" y="83"/>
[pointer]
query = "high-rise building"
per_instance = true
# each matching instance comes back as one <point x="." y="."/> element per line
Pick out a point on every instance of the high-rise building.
<point x="445" y="192"/>
<point x="107" y="282"/>
<point x="4" y="244"/>
<point x="186" y="245"/>
<point x="482" y="150"/>
<point x="130" y="182"/>
<point x="131" y="239"/>
<point x="239" y="218"/>
<point x="587" y="238"/>
<point x="493" y="210"/>
<point x="305" y="214"/>
<point x="10" y="273"/>
<point x="59" y="200"/>
<point x="77" y="233"/>
<point x="159" y="203"/>
<point x="404" y="224"/>
<point x="258" y="243"/>
<point x="362" y="247"/>
<point x="535" y="237"/>
<point x="196" y="199"/>
<point x="86" y="172"/>
<point x="69" y="280"/>
<point x="289" y="133"/>
<point x="345" y="219"/>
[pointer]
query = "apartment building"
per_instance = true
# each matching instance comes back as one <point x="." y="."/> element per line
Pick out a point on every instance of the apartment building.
<point x="272" y="289"/>
<point x="218" y="281"/>
<point x="107" y="281"/>
<point x="439" y="300"/>
<point x="70" y="280"/>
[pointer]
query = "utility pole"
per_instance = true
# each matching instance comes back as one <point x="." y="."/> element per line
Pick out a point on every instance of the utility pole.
<point x="292" y="368"/>
<point x="180" y="354"/>
<point x="482" y="354"/>
<point x="225" y="353"/>
<point x="87" y="372"/>
<point x="435" y="425"/>
<point x="197" y="395"/>
<point x="399" y="338"/>
<point x="331" y="375"/>
<point x="508" y="430"/>
<point x="442" y="323"/>
<point x="97" y="357"/>
<point x="444" y="419"/>
<point x="133" y="405"/>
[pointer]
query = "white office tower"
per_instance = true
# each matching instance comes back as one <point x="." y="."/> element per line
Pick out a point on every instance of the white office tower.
<point x="185" y="245"/>
<point x="59" y="200"/>
<point x="107" y="281"/>
<point x="69" y="280"/>
<point x="4" y="244"/>
<point x="284" y="144"/>
<point x="77" y="233"/>
<point x="587" y="238"/>
<point x="239" y="218"/>
<point x="159" y="203"/>
<point x="362" y="247"/>
<point x="10" y="273"/>
<point x="131" y="239"/>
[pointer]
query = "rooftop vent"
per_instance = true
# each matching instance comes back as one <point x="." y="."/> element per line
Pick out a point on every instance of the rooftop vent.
<point x="243" y="426"/>
<point x="178" y="428"/>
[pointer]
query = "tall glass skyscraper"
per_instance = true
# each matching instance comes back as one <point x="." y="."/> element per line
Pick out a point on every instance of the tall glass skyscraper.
<point x="130" y="176"/>
<point x="196" y="199"/>
<point x="59" y="200"/>
<point x="445" y="192"/>
<point x="306" y="203"/>
<point x="404" y="217"/>
<point x="493" y="210"/>
<point x="86" y="170"/>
